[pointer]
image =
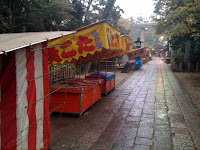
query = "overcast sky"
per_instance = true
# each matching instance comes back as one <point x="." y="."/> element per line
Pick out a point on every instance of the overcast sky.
<point x="135" y="8"/>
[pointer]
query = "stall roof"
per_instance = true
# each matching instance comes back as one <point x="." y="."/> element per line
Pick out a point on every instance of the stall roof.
<point x="14" y="41"/>
<point x="95" y="23"/>
<point x="99" y="40"/>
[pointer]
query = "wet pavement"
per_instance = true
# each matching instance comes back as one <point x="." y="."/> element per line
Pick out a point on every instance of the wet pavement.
<point x="147" y="111"/>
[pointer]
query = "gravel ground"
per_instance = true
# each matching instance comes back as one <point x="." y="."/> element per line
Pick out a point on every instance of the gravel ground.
<point x="190" y="82"/>
<point x="120" y="77"/>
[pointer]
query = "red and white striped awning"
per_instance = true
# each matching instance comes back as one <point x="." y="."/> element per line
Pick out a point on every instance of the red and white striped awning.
<point x="24" y="112"/>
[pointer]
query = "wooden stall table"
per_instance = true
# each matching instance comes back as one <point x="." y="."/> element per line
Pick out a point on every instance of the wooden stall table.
<point x="77" y="96"/>
<point x="108" y="80"/>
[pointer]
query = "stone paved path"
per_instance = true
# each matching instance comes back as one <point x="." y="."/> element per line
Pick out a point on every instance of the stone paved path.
<point x="148" y="111"/>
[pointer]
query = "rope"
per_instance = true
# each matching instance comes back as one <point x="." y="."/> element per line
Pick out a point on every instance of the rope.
<point x="45" y="96"/>
<point x="47" y="73"/>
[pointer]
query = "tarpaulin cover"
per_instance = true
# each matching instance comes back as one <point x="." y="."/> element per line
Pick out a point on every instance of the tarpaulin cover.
<point x="136" y="53"/>
<point x="94" y="42"/>
<point x="138" y="62"/>
<point x="107" y="75"/>
<point x="24" y="127"/>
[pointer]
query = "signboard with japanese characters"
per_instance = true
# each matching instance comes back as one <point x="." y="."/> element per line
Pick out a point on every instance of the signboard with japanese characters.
<point x="137" y="53"/>
<point x="85" y="41"/>
<point x="126" y="43"/>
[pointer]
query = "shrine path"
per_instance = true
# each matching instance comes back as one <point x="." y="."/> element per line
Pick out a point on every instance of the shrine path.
<point x="149" y="110"/>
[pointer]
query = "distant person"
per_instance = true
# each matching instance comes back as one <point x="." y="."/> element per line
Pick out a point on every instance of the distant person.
<point x="149" y="55"/>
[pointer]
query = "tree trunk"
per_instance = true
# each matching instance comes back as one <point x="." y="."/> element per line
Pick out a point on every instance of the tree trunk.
<point x="11" y="9"/>
<point x="87" y="11"/>
<point x="173" y="64"/>
<point x="108" y="8"/>
<point x="41" y="23"/>
<point x="197" y="67"/>
<point x="180" y="67"/>
<point x="189" y="67"/>
<point x="187" y="52"/>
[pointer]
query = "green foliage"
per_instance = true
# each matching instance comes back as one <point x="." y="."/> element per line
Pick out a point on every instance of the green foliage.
<point x="33" y="15"/>
<point x="180" y="19"/>
<point x="93" y="66"/>
<point x="47" y="15"/>
<point x="179" y="58"/>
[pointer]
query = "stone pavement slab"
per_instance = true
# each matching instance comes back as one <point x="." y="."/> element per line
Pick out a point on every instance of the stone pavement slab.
<point x="147" y="111"/>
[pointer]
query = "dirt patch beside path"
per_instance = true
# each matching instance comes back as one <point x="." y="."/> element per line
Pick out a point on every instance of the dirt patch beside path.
<point x="190" y="82"/>
<point x="120" y="77"/>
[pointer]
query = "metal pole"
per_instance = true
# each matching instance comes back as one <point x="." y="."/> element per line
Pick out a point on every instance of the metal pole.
<point x="45" y="96"/>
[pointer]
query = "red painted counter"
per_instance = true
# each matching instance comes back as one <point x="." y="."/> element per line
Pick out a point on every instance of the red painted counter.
<point x="108" y="80"/>
<point x="76" y="97"/>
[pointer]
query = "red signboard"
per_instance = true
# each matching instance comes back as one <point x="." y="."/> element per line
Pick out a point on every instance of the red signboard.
<point x="137" y="53"/>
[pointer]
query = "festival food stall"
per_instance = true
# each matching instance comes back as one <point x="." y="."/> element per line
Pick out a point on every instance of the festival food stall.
<point x="26" y="61"/>
<point x="24" y="90"/>
<point x="77" y="96"/>
<point x="137" y="54"/>
<point x="94" y="42"/>
<point x="108" y="78"/>
<point x="126" y="43"/>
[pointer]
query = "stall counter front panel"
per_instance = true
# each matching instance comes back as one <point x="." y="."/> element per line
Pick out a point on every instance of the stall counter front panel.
<point x="97" y="84"/>
<point x="108" y="80"/>
<point x="77" y="96"/>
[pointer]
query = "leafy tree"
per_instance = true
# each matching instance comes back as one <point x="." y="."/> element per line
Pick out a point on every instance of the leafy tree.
<point x="33" y="15"/>
<point x="77" y="13"/>
<point x="180" y="19"/>
<point x="47" y="15"/>
<point x="108" y="8"/>
<point x="4" y="26"/>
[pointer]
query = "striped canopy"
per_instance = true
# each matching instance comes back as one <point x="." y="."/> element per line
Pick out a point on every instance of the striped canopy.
<point x="24" y="111"/>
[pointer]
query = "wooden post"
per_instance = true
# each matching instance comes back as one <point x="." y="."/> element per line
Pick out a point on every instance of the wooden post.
<point x="87" y="68"/>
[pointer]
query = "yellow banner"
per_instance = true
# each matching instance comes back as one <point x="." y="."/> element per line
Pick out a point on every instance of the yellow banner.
<point x="126" y="43"/>
<point x="85" y="41"/>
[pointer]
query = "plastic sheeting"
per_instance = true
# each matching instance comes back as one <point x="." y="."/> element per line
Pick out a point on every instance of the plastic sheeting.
<point x="138" y="63"/>
<point x="108" y="80"/>
<point x="22" y="126"/>
<point x="107" y="75"/>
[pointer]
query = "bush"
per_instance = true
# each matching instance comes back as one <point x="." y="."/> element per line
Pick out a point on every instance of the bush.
<point x="93" y="66"/>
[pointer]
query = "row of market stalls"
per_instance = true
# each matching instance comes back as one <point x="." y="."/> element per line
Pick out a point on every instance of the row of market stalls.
<point x="38" y="77"/>
<point x="140" y="55"/>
